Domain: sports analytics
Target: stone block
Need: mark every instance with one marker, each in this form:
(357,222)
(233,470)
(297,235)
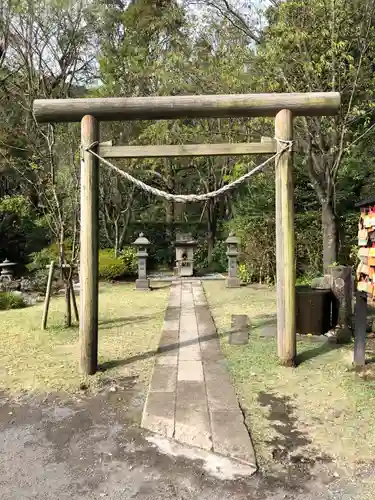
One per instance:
(168,360)
(239,334)
(164,378)
(233,283)
(210,349)
(159,412)
(190,352)
(192,427)
(142,284)
(236,443)
(219,388)
(191,394)
(190,371)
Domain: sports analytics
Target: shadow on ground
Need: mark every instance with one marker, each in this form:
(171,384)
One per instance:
(126,320)
(290,446)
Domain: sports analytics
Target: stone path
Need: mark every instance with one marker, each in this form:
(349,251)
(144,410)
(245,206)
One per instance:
(191,398)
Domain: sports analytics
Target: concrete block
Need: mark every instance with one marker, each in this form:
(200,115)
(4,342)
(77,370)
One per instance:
(192,427)
(159,412)
(164,378)
(191,371)
(236,443)
(239,334)
(191,394)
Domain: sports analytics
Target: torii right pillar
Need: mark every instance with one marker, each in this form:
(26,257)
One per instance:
(285,260)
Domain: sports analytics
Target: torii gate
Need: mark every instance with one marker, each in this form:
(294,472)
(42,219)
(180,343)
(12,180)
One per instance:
(91,111)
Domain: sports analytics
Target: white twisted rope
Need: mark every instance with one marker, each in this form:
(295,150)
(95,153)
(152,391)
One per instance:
(183,198)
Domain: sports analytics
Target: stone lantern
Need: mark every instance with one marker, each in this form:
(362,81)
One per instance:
(6,270)
(232,252)
(142,244)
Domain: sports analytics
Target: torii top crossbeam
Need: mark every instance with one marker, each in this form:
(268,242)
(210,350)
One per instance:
(199,106)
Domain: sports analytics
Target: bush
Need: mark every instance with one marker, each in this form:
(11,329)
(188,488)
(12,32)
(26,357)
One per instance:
(244,273)
(22,230)
(41,259)
(219,257)
(11,300)
(130,260)
(219,261)
(112,267)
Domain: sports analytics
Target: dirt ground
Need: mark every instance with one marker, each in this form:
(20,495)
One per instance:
(90,447)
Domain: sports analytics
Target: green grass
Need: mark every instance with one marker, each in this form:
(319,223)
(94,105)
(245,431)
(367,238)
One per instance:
(129,326)
(334,408)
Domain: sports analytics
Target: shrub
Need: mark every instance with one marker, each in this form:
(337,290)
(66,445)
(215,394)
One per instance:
(41,259)
(130,260)
(11,300)
(219,257)
(219,262)
(112,267)
(244,273)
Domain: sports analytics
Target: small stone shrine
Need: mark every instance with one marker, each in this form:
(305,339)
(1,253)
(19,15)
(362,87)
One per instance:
(142,244)
(185,254)
(233,280)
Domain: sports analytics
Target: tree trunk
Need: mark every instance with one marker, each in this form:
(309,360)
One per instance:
(329,229)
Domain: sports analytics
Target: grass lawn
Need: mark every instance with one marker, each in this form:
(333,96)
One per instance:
(321,408)
(130,324)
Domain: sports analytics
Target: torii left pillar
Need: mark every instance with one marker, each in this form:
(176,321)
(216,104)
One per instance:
(89,238)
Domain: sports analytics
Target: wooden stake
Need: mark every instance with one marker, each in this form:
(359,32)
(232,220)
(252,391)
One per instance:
(48,295)
(88,328)
(285,266)
(360,330)
(68,305)
(74,301)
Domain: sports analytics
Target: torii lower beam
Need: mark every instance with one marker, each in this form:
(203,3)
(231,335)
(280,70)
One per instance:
(284,107)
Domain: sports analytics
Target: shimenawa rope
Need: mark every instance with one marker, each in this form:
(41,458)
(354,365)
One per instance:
(183,198)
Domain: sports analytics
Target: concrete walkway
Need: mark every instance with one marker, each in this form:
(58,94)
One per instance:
(191,398)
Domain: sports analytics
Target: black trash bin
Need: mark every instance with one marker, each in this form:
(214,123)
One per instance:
(313,310)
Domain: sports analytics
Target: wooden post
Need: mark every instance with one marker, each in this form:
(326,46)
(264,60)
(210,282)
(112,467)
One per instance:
(74,301)
(360,329)
(88,328)
(48,295)
(285,262)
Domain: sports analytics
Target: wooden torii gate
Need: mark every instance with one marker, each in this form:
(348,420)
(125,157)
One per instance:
(91,111)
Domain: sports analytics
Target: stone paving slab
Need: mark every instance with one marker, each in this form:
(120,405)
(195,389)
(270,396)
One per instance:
(159,413)
(191,397)
(234,443)
(191,371)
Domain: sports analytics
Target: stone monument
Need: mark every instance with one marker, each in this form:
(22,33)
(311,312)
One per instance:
(142,244)
(232,252)
(185,254)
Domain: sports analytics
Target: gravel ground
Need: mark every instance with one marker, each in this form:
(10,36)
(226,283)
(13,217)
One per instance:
(90,447)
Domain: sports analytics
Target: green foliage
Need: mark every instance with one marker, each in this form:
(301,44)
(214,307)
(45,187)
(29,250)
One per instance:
(129,258)
(112,267)
(11,300)
(219,260)
(39,260)
(244,274)
(219,257)
(20,230)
